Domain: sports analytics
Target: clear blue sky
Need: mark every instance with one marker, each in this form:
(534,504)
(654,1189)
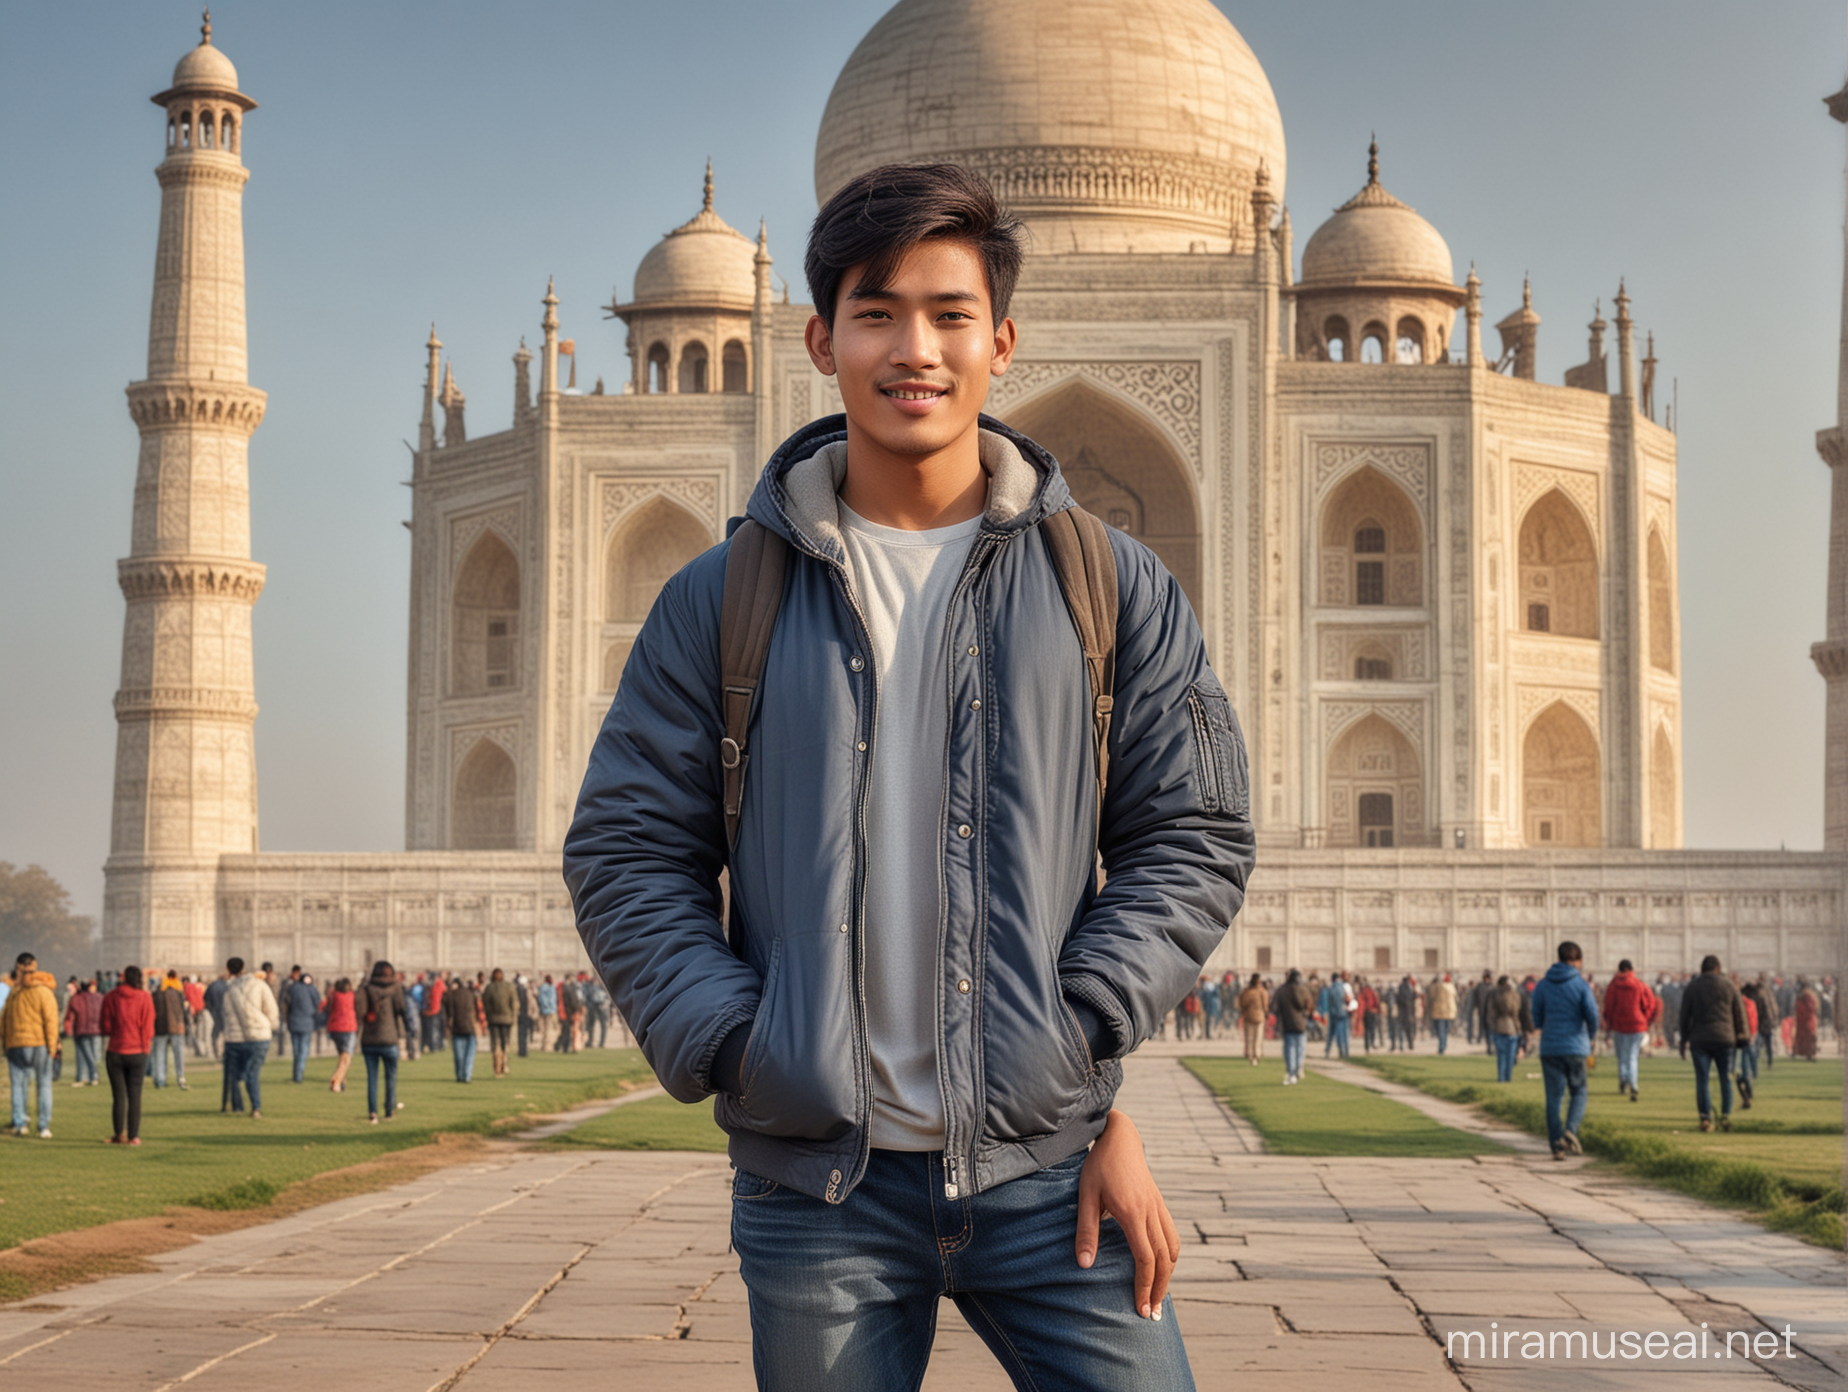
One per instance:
(420,161)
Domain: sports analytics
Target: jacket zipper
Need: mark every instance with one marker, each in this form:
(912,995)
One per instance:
(952,1158)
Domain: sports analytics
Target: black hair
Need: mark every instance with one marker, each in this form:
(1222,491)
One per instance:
(235,965)
(1569,951)
(382,974)
(345,983)
(1709,963)
(1625,965)
(876,217)
(131,976)
(25,959)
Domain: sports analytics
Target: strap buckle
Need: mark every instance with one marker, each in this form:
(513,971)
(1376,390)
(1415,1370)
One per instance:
(731,755)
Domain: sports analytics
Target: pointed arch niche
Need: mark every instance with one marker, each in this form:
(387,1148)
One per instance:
(652,543)
(1375,787)
(485,646)
(1661,606)
(1561,783)
(1559,571)
(483,816)
(1372,543)
(1664,795)
(1122,468)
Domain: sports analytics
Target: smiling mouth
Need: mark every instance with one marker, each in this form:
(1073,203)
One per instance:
(913,393)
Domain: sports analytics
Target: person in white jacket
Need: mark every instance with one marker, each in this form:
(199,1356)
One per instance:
(251,1021)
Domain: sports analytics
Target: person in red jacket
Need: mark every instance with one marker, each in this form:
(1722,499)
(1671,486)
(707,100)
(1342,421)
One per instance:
(1629,1008)
(83,1023)
(128,1020)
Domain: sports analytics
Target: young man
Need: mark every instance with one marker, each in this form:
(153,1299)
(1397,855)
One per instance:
(1566,1014)
(1712,1023)
(914,1016)
(29,1032)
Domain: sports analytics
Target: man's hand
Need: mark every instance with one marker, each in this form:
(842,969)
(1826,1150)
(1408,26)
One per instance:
(1116,1183)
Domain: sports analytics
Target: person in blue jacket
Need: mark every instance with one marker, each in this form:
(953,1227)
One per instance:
(913,1017)
(1566,1014)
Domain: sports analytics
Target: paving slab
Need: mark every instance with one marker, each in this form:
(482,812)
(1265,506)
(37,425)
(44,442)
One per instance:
(616,1268)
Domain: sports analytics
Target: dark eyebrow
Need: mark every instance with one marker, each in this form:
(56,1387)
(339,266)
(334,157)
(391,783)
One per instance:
(880,292)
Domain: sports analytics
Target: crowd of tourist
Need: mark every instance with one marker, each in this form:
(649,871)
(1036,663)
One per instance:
(130,1027)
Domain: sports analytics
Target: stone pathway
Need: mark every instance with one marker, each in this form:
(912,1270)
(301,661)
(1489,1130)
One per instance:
(613,1269)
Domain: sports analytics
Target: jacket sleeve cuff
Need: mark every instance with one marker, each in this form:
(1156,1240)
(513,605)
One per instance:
(727,1071)
(708,1074)
(1101,1016)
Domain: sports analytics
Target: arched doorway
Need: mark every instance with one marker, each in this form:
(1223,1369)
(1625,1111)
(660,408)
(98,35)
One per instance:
(1375,788)
(1561,788)
(1372,543)
(483,817)
(1123,469)
(485,652)
(644,554)
(1664,801)
(1559,570)
(1661,606)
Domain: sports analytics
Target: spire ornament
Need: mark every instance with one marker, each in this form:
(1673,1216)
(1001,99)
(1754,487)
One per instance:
(706,206)
(205,28)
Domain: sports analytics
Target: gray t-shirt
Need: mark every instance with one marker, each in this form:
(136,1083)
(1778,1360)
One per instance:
(904,581)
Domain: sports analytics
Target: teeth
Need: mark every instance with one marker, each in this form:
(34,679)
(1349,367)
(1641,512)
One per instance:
(913,395)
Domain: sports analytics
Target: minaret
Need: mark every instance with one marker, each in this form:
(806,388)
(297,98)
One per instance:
(185,775)
(1831,655)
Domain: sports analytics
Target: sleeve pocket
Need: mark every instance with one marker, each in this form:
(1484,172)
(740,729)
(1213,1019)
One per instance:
(1219,751)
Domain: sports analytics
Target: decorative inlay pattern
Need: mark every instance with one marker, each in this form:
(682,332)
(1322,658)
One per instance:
(1405,716)
(701,495)
(1531,480)
(1170,391)
(1531,700)
(234,407)
(144,703)
(507,736)
(505,521)
(1409,465)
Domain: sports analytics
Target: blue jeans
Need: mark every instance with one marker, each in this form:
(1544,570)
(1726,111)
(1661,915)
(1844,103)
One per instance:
(1293,1053)
(377,1056)
(1337,1036)
(1764,1048)
(1747,1061)
(299,1042)
(235,1062)
(88,1052)
(249,1072)
(1442,1029)
(25,1065)
(1704,1058)
(1565,1073)
(844,1296)
(1506,1047)
(463,1046)
(1629,1048)
(165,1044)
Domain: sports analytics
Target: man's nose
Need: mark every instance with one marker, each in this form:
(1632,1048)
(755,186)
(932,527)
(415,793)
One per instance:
(917,345)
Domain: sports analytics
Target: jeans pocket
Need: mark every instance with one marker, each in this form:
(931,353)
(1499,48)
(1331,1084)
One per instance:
(746,1185)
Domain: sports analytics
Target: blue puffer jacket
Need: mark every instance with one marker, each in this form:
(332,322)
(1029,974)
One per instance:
(1023,931)
(1565,1012)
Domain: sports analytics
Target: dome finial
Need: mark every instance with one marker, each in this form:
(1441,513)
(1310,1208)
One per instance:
(205,29)
(707,205)
(1373,159)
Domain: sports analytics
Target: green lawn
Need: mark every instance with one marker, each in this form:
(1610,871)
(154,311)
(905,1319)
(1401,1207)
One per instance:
(1319,1116)
(1783,1157)
(191,1154)
(660,1123)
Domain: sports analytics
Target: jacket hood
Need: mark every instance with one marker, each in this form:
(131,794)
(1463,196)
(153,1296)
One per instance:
(1563,971)
(797,493)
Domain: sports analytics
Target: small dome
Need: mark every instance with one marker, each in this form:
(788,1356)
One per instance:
(1374,238)
(205,66)
(704,262)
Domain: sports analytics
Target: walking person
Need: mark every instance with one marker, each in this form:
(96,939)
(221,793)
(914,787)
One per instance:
(301,1008)
(172,1020)
(1336,1005)
(341,1021)
(128,1021)
(528,1019)
(1712,1028)
(385,1023)
(1630,1008)
(1745,1058)
(1293,1003)
(29,1033)
(251,1022)
(1253,1006)
(548,1014)
(83,1022)
(500,1006)
(1406,997)
(1770,1018)
(1509,1023)
(462,1017)
(920,543)
(1443,1011)
(199,1022)
(596,1013)
(1369,1015)
(431,1010)
(1567,1016)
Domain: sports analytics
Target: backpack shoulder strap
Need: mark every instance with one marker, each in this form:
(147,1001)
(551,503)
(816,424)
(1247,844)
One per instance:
(1087,574)
(754,566)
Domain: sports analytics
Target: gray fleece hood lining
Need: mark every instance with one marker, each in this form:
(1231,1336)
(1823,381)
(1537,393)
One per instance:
(811,488)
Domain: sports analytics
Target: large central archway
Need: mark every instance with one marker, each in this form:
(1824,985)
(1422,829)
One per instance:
(1120,467)
(1562,794)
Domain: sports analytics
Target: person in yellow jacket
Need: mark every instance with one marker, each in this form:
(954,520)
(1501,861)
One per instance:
(1441,1007)
(29,1033)
(1253,1006)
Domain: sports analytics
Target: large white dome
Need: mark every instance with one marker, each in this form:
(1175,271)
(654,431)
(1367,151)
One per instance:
(1108,124)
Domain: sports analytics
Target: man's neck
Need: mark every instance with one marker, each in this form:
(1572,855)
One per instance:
(914,492)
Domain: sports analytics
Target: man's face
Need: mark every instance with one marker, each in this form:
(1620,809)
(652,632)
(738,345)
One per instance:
(913,360)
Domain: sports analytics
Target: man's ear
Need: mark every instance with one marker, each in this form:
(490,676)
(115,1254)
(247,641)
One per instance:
(1007,338)
(818,338)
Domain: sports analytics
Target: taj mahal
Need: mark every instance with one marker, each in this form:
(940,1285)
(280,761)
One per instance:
(1441,593)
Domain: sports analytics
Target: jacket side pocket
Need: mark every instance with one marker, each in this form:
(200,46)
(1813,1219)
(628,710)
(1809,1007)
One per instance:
(1219,751)
(754,1047)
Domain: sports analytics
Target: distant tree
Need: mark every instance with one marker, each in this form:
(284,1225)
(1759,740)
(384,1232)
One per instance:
(36,917)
